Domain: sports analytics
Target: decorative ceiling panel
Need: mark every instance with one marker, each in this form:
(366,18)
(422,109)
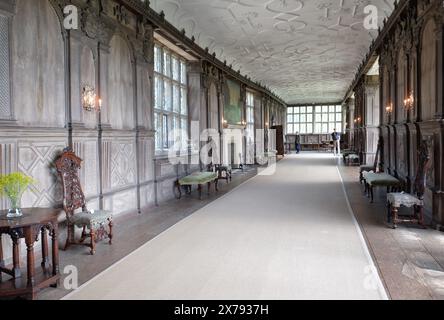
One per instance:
(306,51)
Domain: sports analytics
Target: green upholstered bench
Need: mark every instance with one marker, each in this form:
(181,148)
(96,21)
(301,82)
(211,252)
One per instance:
(199,179)
(380,179)
(351,158)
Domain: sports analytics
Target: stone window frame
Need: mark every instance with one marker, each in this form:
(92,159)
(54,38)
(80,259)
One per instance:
(314,119)
(168,110)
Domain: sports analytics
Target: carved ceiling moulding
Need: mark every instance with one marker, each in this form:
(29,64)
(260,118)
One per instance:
(158,21)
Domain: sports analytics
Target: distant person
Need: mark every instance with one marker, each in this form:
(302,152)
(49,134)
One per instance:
(336,143)
(297,141)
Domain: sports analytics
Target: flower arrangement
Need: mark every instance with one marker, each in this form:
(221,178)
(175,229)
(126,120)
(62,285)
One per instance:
(13,186)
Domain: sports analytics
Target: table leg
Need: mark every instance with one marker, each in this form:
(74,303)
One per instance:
(2,262)
(29,239)
(45,255)
(199,188)
(55,249)
(15,237)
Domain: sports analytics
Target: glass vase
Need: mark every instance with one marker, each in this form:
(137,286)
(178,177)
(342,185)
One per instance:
(15,210)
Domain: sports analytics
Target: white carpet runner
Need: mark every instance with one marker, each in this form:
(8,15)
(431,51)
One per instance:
(290,235)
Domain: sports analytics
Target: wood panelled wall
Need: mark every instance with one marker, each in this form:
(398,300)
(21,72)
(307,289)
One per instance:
(411,62)
(43,69)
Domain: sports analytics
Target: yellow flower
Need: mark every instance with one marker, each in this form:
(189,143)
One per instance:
(14,184)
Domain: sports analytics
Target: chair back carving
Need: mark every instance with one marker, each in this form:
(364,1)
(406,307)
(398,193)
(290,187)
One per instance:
(421,171)
(68,165)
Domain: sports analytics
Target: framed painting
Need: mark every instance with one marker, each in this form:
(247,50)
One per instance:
(232,108)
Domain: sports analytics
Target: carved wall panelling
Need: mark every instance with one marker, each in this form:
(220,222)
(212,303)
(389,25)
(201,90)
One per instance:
(121,84)
(401,151)
(393,152)
(88,76)
(428,71)
(45,98)
(5,85)
(8,164)
(36,159)
(86,149)
(401,86)
(385,157)
(412,145)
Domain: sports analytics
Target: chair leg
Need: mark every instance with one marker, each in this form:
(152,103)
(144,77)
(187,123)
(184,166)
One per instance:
(83,234)
(110,235)
(69,236)
(93,240)
(421,216)
(389,212)
(179,191)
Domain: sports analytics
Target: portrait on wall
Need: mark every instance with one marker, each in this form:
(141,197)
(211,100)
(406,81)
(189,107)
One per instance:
(232,108)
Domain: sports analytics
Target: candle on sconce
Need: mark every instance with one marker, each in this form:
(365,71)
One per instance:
(100,103)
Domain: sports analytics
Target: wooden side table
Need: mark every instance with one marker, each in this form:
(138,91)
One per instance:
(33,223)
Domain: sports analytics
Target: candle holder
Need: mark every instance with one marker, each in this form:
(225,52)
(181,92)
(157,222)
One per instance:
(90,100)
(408,102)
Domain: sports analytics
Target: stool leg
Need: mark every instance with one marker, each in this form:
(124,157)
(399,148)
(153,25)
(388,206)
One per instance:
(389,212)
(199,188)
(395,217)
(209,187)
(110,234)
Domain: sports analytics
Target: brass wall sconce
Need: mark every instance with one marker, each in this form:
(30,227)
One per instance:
(408,102)
(89,99)
(389,108)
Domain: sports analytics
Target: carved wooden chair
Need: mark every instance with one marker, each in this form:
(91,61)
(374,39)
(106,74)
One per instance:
(92,222)
(373,166)
(415,201)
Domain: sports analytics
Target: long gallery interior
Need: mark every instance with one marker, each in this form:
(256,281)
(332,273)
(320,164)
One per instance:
(221,150)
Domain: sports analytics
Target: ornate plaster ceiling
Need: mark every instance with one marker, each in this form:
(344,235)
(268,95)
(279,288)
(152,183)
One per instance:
(306,51)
